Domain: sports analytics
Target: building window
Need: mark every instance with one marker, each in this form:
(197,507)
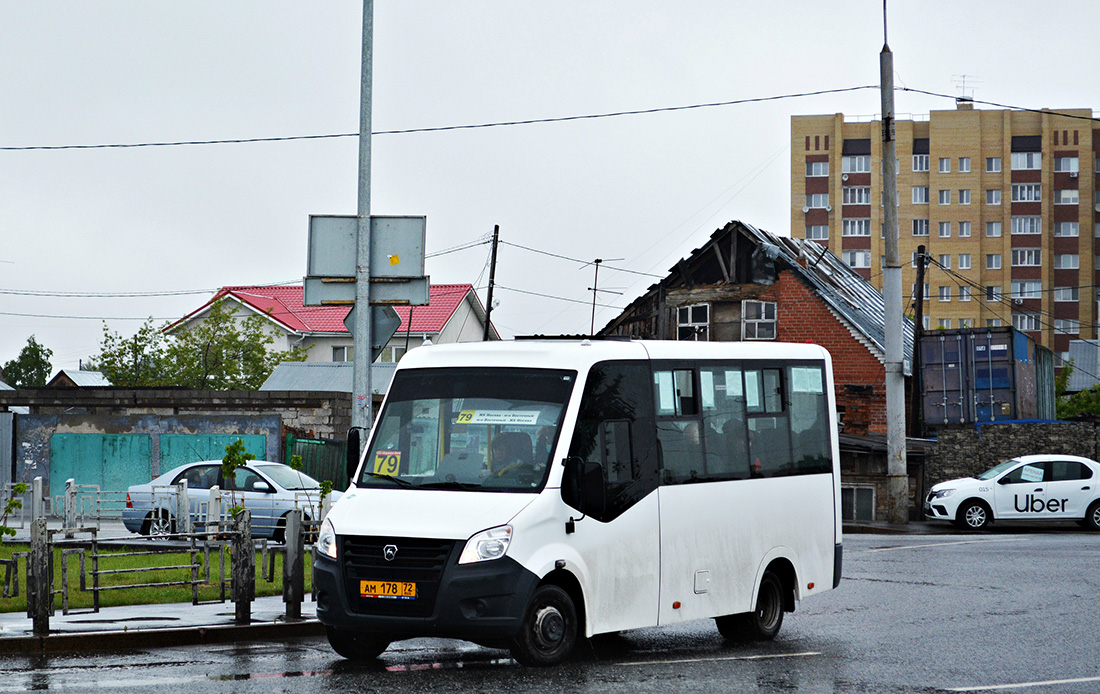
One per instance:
(920,227)
(857,259)
(920,195)
(993,294)
(964,295)
(1027,192)
(945,230)
(856,227)
(1027,289)
(992,229)
(964,261)
(993,196)
(944,324)
(1065,261)
(945,164)
(920,162)
(925,323)
(1065,197)
(992,322)
(925,291)
(964,230)
(945,261)
(343,353)
(857,195)
(993,261)
(944,293)
(817,200)
(856,163)
(965,322)
(945,197)
(1067,326)
(817,169)
(817,232)
(1066,229)
(758,320)
(693,323)
(1027,224)
(1066,293)
(857,503)
(1026,160)
(1026,257)
(992,164)
(1067,164)
(1026,322)
(964,164)
(964,196)
(392,355)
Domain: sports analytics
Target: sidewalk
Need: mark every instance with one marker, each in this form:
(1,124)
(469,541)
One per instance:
(152,626)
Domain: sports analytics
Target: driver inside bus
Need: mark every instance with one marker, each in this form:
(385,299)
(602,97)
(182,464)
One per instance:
(512,452)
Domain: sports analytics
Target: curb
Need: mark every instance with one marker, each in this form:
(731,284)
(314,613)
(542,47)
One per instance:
(157,638)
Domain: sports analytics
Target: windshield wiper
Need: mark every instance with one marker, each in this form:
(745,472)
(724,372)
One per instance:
(451,484)
(396,480)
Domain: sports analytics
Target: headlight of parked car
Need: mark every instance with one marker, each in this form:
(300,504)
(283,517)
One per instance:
(487,545)
(942,493)
(326,540)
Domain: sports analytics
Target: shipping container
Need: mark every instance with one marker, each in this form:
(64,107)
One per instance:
(976,375)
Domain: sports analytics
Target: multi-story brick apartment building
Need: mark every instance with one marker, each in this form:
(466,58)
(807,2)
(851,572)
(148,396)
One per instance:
(1005,203)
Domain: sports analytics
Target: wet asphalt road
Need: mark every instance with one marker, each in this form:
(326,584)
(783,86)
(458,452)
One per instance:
(1009,611)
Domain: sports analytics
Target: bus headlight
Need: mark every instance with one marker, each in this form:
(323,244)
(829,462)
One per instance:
(326,540)
(487,545)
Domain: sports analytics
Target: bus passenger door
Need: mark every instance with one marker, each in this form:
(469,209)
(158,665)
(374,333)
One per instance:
(620,543)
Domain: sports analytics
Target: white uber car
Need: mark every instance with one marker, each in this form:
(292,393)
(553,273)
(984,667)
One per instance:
(1030,487)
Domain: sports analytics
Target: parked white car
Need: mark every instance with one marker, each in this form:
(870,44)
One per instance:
(1030,487)
(268,490)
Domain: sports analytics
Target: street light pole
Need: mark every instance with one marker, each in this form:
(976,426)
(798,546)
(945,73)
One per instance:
(361,397)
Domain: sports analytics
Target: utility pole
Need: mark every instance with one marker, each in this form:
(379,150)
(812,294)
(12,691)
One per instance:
(897,478)
(918,326)
(492,282)
(595,284)
(361,399)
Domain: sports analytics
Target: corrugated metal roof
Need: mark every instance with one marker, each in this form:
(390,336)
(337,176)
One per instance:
(83,379)
(5,386)
(332,377)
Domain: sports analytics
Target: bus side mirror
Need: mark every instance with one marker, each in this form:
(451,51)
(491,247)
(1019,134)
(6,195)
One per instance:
(582,486)
(352,463)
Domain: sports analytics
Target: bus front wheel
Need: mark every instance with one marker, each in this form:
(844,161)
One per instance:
(762,624)
(549,629)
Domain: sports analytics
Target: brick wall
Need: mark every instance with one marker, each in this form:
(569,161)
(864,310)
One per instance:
(857,374)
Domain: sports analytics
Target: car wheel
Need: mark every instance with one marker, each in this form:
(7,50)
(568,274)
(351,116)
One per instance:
(1092,516)
(763,623)
(549,629)
(159,524)
(973,515)
(280,531)
(355,645)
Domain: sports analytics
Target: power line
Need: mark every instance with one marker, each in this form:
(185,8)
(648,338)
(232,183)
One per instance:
(444,128)
(577,260)
(999,105)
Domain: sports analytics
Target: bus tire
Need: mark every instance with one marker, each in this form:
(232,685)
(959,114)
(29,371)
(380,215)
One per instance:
(355,645)
(973,515)
(763,623)
(549,629)
(1092,516)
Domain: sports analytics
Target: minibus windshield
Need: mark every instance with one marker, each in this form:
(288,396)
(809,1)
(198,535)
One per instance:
(468,429)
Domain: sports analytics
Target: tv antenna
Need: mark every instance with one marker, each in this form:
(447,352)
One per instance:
(965,83)
(594,288)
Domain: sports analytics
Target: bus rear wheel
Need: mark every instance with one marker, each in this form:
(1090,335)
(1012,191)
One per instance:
(354,645)
(763,623)
(549,629)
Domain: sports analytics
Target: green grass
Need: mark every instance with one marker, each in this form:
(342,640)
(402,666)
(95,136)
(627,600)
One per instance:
(79,599)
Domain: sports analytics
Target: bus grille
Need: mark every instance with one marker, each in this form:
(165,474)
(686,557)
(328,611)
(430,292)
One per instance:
(415,559)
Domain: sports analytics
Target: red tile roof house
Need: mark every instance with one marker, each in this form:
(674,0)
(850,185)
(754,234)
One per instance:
(454,314)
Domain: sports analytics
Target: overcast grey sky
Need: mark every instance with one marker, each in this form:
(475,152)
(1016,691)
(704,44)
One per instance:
(645,188)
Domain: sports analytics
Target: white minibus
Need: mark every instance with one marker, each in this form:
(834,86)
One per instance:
(527,494)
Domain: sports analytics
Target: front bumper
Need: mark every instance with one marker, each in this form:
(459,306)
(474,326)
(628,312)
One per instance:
(483,602)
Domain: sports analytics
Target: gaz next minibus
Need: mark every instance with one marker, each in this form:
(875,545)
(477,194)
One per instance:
(530,493)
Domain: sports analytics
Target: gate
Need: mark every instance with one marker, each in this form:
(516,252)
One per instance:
(180,449)
(110,461)
(322,459)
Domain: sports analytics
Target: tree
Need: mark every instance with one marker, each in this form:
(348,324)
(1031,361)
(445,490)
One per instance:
(133,361)
(31,369)
(221,353)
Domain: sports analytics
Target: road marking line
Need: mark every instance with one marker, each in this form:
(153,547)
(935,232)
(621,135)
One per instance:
(944,544)
(732,657)
(1022,685)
